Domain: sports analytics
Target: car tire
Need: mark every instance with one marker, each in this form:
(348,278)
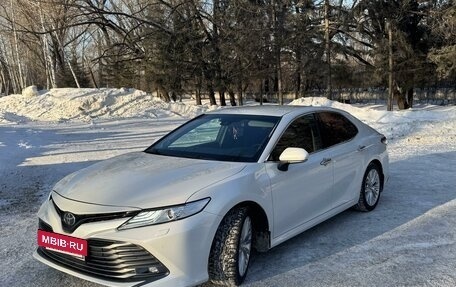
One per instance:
(231,249)
(371,188)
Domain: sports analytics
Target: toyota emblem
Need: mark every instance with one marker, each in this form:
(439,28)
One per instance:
(69,218)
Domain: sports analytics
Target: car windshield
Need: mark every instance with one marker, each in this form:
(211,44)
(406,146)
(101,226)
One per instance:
(223,137)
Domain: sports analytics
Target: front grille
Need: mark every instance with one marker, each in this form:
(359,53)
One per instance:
(112,260)
(86,218)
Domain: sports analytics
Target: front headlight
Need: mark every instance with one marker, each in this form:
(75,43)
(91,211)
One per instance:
(166,214)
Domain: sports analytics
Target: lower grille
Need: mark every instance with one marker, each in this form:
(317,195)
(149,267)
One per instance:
(112,260)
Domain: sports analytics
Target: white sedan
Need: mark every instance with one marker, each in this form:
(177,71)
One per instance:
(192,206)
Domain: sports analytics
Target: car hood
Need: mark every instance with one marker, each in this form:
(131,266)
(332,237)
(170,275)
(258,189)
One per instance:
(143,180)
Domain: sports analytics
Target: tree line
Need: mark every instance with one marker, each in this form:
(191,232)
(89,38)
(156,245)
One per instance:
(229,47)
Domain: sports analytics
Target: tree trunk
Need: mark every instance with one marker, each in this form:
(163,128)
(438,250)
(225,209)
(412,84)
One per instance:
(328,52)
(298,84)
(21,81)
(410,97)
(222,97)
(401,103)
(279,79)
(92,75)
(239,94)
(279,21)
(2,82)
(401,95)
(264,89)
(232,97)
(163,93)
(73,73)
(65,59)
(5,73)
(198,97)
(199,84)
(51,80)
(390,68)
(212,100)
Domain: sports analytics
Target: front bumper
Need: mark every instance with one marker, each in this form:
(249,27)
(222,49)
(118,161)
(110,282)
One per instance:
(181,248)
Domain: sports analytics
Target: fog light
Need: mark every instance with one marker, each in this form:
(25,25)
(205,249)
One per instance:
(141,270)
(146,270)
(153,269)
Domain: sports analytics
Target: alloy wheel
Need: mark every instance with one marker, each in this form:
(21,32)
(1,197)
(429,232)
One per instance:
(245,246)
(372,187)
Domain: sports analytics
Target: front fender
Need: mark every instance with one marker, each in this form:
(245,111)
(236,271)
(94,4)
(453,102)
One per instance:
(251,184)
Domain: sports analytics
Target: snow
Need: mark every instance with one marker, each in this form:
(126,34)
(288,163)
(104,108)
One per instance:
(63,105)
(409,240)
(31,91)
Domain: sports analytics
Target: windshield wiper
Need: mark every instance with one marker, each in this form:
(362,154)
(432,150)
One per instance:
(154,151)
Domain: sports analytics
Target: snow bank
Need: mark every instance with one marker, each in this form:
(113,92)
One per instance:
(69,104)
(31,91)
(87,105)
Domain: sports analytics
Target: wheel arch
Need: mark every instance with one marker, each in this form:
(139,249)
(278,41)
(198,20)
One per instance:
(261,226)
(224,257)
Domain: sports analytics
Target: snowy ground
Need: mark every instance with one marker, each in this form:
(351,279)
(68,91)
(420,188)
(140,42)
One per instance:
(409,240)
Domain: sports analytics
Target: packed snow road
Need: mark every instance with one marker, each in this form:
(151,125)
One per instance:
(409,240)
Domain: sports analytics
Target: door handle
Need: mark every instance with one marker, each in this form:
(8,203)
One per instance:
(325,161)
(361,147)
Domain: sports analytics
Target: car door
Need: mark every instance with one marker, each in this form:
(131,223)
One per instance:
(338,135)
(303,192)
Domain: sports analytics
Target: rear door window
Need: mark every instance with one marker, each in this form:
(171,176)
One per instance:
(335,128)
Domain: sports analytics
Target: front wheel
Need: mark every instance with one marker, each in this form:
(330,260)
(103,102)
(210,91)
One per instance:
(370,189)
(231,249)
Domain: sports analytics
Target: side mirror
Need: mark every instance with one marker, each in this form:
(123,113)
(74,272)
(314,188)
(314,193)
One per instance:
(292,155)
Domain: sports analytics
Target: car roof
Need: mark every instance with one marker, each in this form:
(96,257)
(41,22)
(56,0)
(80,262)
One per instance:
(271,110)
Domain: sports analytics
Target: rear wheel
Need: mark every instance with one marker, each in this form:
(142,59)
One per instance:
(230,253)
(370,189)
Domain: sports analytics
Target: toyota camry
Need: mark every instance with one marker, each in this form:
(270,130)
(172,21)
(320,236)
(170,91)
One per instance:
(194,205)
